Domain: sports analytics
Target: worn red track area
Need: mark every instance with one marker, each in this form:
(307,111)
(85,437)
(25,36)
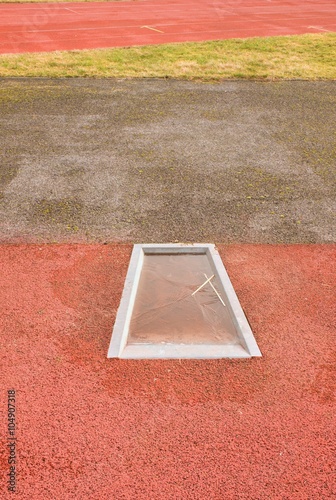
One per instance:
(89,427)
(67,26)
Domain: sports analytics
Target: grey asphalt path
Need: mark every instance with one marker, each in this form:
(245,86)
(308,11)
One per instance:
(165,160)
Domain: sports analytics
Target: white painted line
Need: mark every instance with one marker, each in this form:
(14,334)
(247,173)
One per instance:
(150,28)
(70,10)
(319,28)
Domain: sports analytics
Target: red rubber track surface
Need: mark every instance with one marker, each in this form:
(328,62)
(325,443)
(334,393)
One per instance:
(67,26)
(98,428)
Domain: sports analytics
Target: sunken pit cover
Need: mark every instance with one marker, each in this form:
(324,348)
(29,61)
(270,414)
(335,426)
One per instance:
(178,302)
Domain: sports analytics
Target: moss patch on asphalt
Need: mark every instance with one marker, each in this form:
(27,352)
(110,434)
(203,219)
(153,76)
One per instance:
(7,175)
(66,212)
(15,93)
(310,57)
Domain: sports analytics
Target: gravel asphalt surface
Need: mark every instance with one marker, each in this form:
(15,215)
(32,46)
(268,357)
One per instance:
(163,160)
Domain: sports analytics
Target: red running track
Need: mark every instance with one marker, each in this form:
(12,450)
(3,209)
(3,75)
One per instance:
(89,427)
(67,26)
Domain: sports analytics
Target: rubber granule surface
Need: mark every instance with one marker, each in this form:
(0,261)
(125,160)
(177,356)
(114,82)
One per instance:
(47,27)
(92,427)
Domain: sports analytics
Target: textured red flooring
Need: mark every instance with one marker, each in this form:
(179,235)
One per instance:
(89,427)
(66,26)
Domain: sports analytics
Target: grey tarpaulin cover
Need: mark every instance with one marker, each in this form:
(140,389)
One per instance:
(167,309)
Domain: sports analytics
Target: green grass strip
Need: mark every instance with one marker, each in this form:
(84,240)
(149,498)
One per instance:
(310,57)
